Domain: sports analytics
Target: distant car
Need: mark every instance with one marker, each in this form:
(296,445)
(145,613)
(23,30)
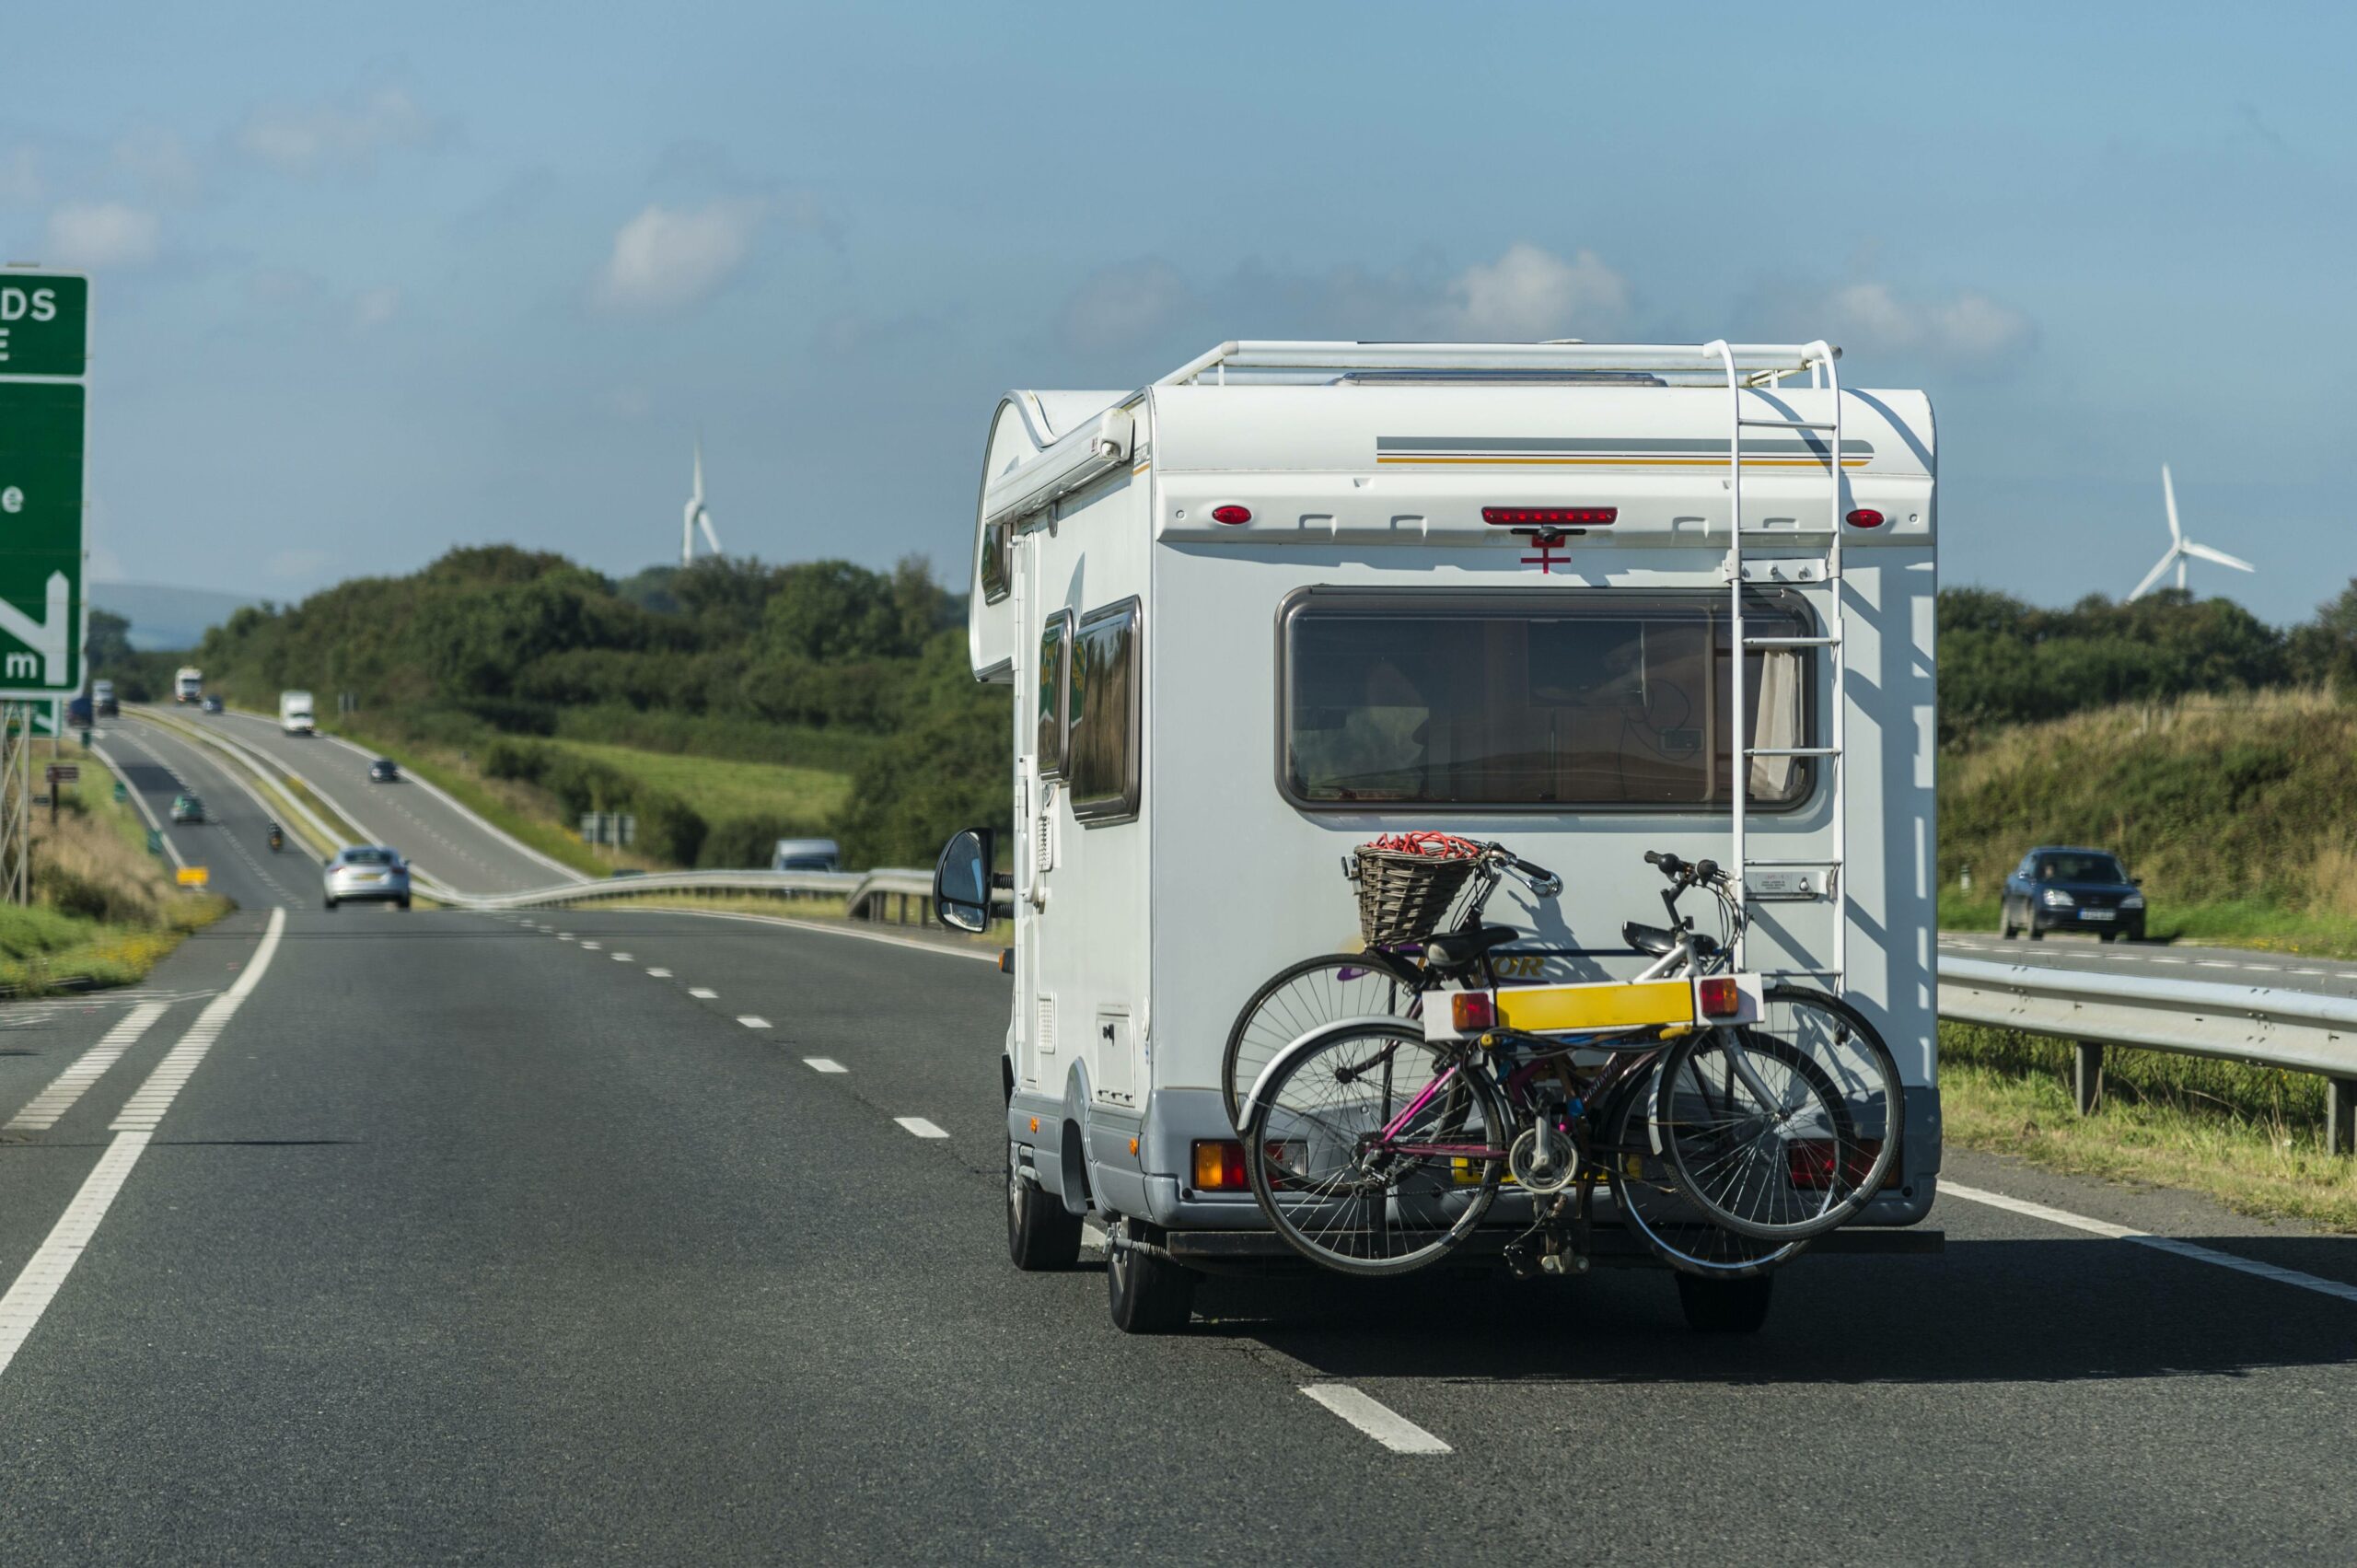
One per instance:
(187,808)
(805,854)
(382,771)
(367,873)
(77,713)
(2057,888)
(213,705)
(625,871)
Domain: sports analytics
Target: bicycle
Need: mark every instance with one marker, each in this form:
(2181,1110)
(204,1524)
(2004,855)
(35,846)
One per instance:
(1728,1137)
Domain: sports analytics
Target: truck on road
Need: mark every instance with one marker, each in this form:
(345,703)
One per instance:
(187,686)
(294,711)
(1589,599)
(103,699)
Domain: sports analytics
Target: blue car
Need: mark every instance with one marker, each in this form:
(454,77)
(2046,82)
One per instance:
(2057,888)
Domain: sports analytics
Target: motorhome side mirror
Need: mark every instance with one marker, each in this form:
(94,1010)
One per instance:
(961,881)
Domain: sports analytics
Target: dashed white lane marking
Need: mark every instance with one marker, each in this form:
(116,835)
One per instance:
(564,936)
(2146,1238)
(2312,973)
(2217,964)
(2160,960)
(703,994)
(660,974)
(592,947)
(824,1065)
(621,957)
(58,1098)
(2265,968)
(38,1285)
(1378,1420)
(752,1020)
(917,1126)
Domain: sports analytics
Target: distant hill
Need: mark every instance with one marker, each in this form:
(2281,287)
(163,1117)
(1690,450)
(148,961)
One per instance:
(162,616)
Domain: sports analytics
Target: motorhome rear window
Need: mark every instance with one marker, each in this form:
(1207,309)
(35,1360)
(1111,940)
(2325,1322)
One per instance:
(1101,741)
(1516,699)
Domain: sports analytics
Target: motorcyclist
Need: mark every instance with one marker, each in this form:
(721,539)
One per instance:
(277,839)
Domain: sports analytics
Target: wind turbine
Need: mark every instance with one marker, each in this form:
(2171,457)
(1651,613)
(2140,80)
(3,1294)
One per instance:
(2180,548)
(694,517)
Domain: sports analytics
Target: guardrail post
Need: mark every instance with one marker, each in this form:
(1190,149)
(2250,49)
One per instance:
(2341,1116)
(2086,1075)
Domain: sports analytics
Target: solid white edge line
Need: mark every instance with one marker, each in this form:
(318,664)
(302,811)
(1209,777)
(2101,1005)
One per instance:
(2146,1238)
(45,1273)
(917,1126)
(45,1109)
(1379,1420)
(922,946)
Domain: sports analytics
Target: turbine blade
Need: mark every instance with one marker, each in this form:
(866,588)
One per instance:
(2204,552)
(703,521)
(2155,574)
(2168,497)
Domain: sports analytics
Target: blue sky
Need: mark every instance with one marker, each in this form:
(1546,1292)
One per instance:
(374,281)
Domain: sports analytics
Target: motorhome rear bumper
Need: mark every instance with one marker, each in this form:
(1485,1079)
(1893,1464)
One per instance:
(1609,1247)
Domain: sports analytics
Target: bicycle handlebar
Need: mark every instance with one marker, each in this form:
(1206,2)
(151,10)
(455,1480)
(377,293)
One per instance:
(1706,872)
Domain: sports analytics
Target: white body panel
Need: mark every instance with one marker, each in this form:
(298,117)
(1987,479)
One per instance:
(1137,940)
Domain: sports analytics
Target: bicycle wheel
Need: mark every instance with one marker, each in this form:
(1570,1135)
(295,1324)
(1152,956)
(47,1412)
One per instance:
(1375,1152)
(1651,1201)
(1304,996)
(1781,1130)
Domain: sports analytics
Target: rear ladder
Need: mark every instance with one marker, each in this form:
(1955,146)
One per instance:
(1822,362)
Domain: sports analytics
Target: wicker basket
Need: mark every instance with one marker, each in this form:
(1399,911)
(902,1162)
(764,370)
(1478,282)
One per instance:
(1405,897)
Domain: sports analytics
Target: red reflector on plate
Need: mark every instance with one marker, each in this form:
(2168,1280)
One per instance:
(1219,1165)
(1231,514)
(1865,518)
(1549,517)
(1473,1010)
(1719,997)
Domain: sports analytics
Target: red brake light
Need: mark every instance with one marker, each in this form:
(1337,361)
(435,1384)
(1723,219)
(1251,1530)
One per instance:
(1231,514)
(1719,997)
(1865,517)
(1549,517)
(1219,1165)
(1470,1010)
(1809,1163)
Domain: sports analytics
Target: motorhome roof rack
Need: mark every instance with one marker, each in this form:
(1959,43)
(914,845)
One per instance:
(1693,364)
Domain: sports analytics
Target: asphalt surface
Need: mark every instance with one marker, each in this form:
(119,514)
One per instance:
(432,831)
(474,1239)
(2155,960)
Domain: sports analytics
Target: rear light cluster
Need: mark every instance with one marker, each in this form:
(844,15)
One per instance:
(1219,1165)
(1810,1162)
(1865,517)
(1231,514)
(1549,517)
(1719,996)
(1470,1010)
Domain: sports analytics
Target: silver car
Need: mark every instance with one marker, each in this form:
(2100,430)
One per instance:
(368,872)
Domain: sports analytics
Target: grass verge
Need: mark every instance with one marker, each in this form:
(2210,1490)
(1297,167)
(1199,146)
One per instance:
(2251,1138)
(720,788)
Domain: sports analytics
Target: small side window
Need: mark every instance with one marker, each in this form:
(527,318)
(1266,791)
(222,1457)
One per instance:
(994,567)
(1102,742)
(1054,680)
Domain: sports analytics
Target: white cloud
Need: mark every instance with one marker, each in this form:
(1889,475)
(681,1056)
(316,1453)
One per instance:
(160,161)
(315,138)
(668,259)
(20,176)
(100,234)
(1967,328)
(375,307)
(1531,293)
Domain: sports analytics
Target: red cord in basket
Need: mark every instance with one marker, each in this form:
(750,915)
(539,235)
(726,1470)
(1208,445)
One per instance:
(1437,846)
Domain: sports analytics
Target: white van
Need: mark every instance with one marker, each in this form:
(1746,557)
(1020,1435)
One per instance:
(187,686)
(295,712)
(1294,595)
(807,854)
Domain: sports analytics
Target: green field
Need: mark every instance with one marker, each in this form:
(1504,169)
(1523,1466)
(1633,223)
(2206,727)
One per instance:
(719,789)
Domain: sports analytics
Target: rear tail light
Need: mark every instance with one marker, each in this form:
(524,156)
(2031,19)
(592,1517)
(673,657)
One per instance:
(1810,1162)
(1219,1165)
(1470,1010)
(1549,517)
(1719,996)
(1865,517)
(1231,514)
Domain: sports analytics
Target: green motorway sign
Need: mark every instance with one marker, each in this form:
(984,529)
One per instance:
(44,324)
(44,332)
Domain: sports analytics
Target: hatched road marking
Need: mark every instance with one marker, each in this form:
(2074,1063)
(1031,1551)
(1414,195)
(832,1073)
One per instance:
(58,1098)
(917,1126)
(38,1285)
(2146,1238)
(1379,1420)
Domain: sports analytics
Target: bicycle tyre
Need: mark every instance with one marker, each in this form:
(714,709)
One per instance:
(1323,1103)
(1647,1195)
(1849,1175)
(1302,996)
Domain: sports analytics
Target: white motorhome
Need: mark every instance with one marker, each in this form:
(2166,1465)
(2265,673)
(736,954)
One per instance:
(1294,596)
(295,712)
(187,686)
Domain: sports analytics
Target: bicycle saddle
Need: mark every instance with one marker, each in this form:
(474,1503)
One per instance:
(1461,947)
(1658,940)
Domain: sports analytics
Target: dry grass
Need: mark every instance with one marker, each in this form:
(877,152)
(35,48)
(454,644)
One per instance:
(2252,1138)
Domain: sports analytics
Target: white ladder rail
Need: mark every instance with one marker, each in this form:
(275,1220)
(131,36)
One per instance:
(1823,373)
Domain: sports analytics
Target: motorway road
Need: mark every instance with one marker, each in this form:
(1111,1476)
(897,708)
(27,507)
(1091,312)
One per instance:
(518,1239)
(448,842)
